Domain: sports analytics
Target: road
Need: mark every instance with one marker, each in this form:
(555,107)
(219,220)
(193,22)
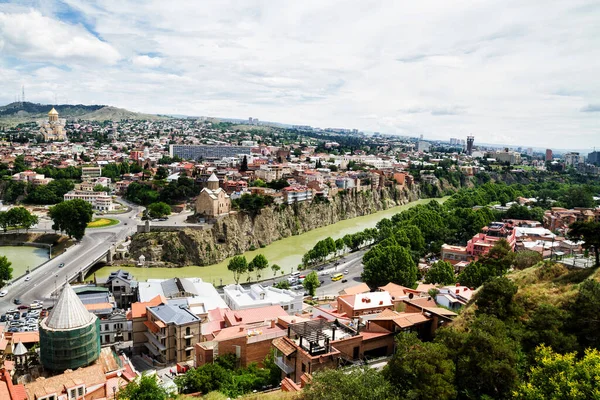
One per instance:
(351,262)
(47,278)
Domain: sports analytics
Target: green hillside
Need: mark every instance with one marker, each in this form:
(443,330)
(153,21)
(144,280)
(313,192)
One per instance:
(16,113)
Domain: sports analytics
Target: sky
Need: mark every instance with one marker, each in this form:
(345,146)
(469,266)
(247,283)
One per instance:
(508,72)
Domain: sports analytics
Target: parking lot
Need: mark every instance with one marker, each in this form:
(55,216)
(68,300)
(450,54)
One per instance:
(24,318)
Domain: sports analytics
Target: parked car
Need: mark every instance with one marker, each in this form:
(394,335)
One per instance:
(3,318)
(61,265)
(27,279)
(346,272)
(24,315)
(17,301)
(23,307)
(3,293)
(344,280)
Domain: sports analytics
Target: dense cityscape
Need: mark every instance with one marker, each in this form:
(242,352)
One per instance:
(422,221)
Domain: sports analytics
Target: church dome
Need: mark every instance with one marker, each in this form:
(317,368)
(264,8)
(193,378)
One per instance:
(53,112)
(213,178)
(69,312)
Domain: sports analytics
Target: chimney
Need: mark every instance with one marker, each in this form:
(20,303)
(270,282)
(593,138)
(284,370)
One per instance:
(272,323)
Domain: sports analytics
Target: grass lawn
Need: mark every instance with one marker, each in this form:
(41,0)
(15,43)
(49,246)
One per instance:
(102,222)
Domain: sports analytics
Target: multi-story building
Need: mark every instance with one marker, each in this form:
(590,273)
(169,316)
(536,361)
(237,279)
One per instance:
(593,158)
(198,152)
(482,242)
(239,298)
(559,219)
(31,177)
(91,172)
(100,201)
(172,333)
(573,159)
(506,156)
(296,194)
(455,254)
(123,287)
(549,155)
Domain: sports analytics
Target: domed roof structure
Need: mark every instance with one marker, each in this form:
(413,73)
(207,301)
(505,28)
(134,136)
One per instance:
(53,112)
(69,312)
(19,349)
(213,178)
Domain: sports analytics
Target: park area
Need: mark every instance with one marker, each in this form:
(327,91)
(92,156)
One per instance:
(102,222)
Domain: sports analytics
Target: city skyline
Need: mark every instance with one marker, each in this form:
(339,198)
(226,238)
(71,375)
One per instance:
(508,74)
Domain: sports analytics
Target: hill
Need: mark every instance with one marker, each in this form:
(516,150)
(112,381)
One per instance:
(17,113)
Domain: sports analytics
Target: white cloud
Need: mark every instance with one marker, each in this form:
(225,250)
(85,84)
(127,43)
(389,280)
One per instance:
(504,70)
(146,61)
(32,36)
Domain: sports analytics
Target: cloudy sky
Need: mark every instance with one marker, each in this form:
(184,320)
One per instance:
(515,72)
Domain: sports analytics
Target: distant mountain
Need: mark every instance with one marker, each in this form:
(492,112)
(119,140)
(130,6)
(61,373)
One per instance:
(16,113)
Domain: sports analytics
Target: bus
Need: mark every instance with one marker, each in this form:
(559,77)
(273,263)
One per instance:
(337,277)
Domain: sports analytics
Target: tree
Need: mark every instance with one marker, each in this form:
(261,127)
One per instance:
(101,188)
(548,325)
(589,232)
(440,272)
(496,298)
(159,209)
(72,217)
(584,314)
(239,266)
(282,285)
(5,270)
(389,264)
(311,283)
(420,370)
(275,268)
(526,258)
(147,388)
(161,173)
(258,263)
(244,164)
(352,384)
(557,377)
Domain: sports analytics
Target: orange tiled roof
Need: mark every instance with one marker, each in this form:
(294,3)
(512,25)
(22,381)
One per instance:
(98,306)
(138,309)
(284,345)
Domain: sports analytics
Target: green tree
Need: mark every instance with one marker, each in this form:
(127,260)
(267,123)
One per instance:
(71,217)
(548,325)
(589,232)
(496,298)
(282,285)
(389,264)
(147,388)
(239,266)
(161,173)
(526,258)
(311,283)
(556,376)
(100,188)
(349,384)
(258,263)
(275,268)
(441,272)
(420,370)
(244,164)
(584,314)
(5,270)
(159,210)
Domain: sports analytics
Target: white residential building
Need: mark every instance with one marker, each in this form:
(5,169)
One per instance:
(100,201)
(239,298)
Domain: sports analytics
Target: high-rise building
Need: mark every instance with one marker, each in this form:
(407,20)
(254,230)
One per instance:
(548,154)
(594,158)
(470,141)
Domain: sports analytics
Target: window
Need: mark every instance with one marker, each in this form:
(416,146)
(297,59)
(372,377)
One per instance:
(80,391)
(303,367)
(106,338)
(188,342)
(105,327)
(188,353)
(187,330)
(73,393)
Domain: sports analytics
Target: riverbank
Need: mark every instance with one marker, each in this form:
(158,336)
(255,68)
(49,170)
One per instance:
(59,243)
(286,252)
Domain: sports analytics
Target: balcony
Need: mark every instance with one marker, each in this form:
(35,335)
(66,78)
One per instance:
(287,369)
(155,342)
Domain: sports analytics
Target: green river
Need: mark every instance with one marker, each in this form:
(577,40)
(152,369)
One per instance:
(287,252)
(23,257)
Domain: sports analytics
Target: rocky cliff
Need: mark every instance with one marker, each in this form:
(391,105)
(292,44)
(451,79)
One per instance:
(241,232)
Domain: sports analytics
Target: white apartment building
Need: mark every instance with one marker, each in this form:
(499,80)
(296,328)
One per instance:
(295,194)
(100,201)
(91,172)
(239,298)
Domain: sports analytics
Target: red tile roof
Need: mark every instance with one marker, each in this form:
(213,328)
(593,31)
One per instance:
(253,315)
(138,309)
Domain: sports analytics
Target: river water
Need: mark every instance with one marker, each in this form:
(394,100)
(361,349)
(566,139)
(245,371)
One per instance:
(23,257)
(287,253)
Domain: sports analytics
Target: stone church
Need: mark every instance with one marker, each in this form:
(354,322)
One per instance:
(213,201)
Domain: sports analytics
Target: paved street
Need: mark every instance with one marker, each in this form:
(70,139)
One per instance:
(45,279)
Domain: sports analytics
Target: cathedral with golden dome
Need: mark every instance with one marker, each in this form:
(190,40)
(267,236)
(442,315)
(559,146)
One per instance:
(54,128)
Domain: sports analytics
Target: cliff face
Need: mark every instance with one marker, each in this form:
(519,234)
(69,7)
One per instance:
(241,232)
